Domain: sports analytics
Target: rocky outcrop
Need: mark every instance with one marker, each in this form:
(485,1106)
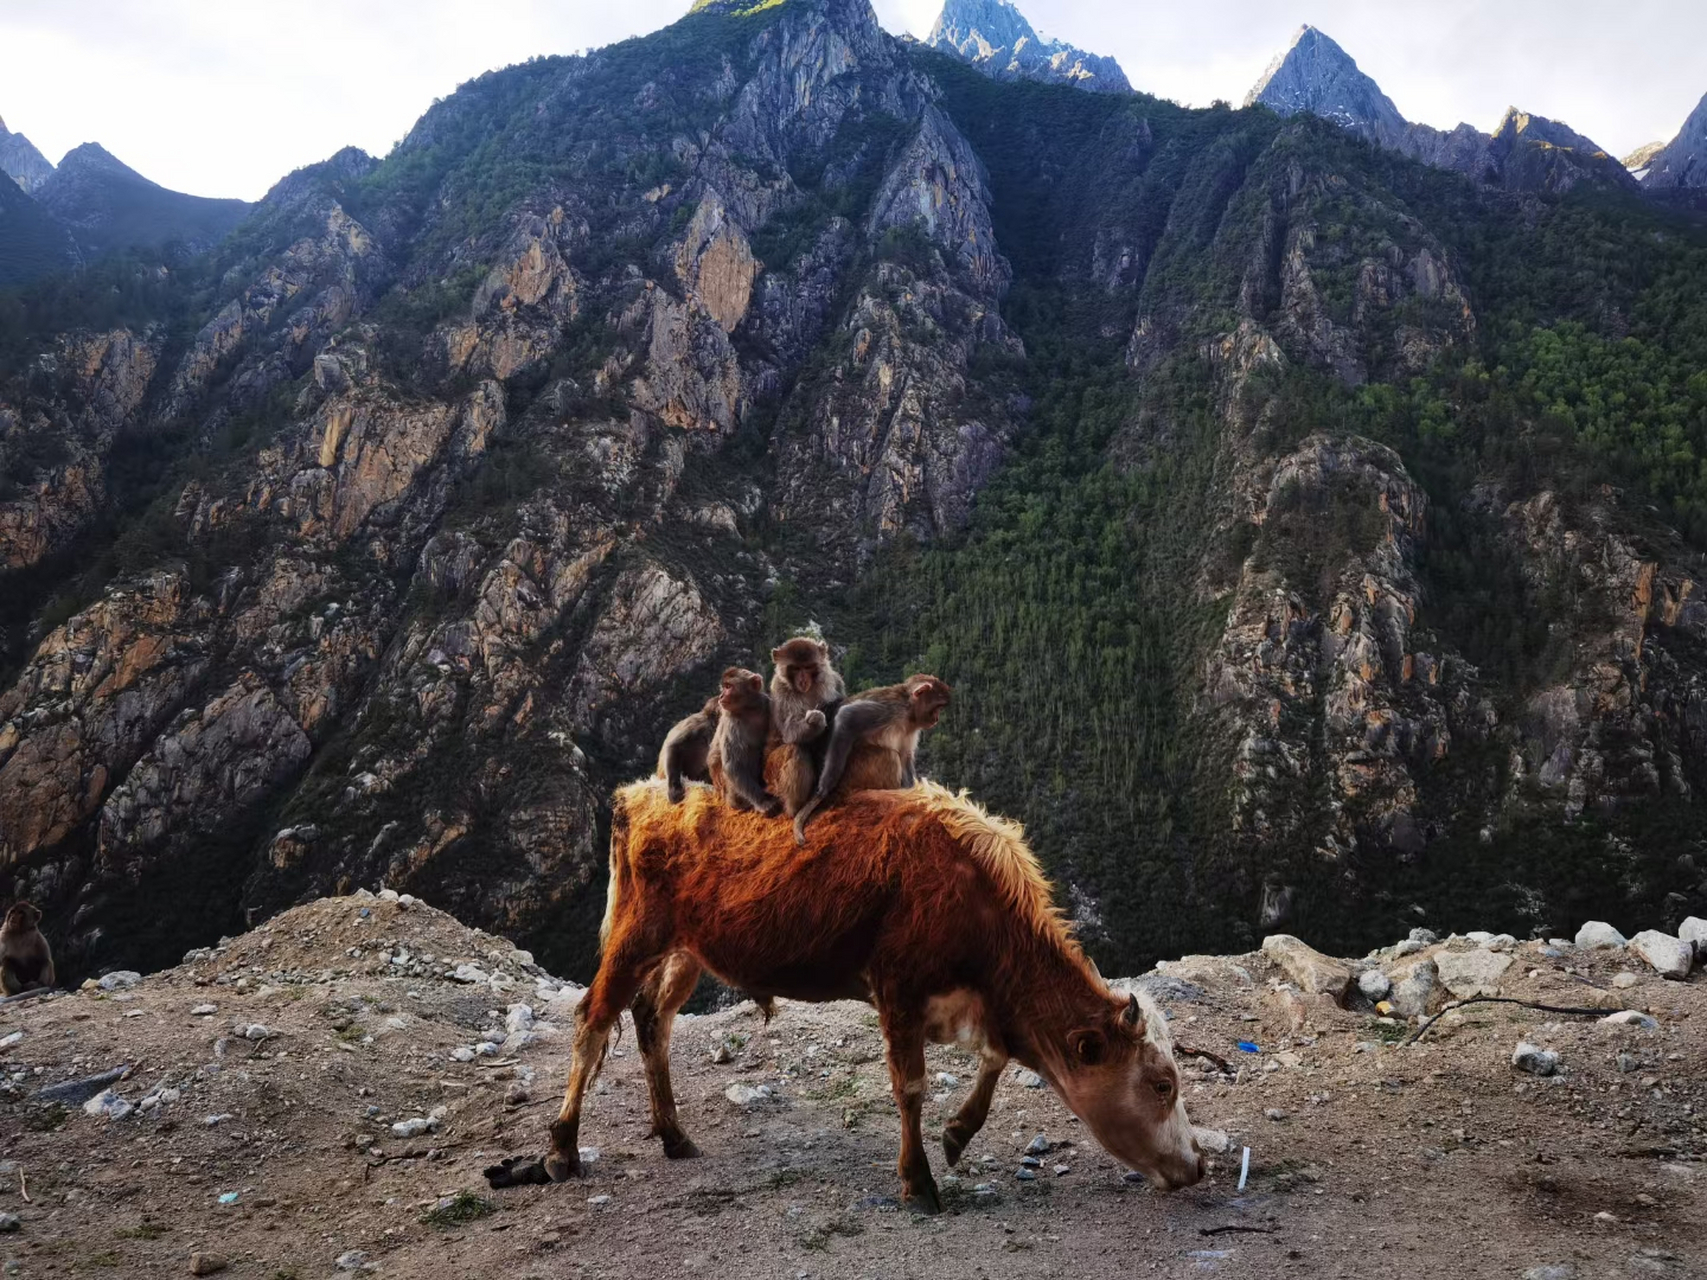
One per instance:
(994,36)
(21,162)
(1682,162)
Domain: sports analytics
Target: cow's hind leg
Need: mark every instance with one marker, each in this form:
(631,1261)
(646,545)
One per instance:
(626,965)
(976,1109)
(654,1014)
(904,1033)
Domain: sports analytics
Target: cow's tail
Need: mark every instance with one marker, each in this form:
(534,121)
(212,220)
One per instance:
(620,872)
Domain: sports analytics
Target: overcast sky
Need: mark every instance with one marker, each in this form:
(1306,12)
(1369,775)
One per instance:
(223,97)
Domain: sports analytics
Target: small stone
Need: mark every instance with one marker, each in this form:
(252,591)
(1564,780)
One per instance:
(351,1260)
(10,1222)
(415,1127)
(204,1011)
(984,1190)
(947,1080)
(1423,937)
(598,1202)
(1315,973)
(1037,1146)
(1374,984)
(463,1053)
(1027,1175)
(516,1094)
(1409,947)
(1134,1177)
(1604,1217)
(107,1104)
(589,1155)
(1624,980)
(119,979)
(487,1049)
(1214,1141)
(1668,956)
(1597,935)
(746,1095)
(1534,1059)
(206,1264)
(1061,1170)
(256,1031)
(1630,1018)
(1030,1080)
(1275,1113)
(519,1018)
(1628,1062)
(1030,1162)
(1553,1271)
(214,1122)
(469,973)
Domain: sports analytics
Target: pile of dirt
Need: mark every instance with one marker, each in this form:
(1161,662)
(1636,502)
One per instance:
(319,1096)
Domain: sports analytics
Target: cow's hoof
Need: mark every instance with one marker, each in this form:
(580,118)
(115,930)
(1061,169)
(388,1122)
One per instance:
(562,1167)
(923,1199)
(954,1139)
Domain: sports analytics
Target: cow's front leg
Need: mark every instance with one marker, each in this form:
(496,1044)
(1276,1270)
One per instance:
(976,1109)
(904,1033)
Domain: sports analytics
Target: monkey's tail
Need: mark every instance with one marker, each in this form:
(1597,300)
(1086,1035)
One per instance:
(802,818)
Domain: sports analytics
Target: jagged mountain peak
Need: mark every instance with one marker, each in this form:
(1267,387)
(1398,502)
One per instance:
(1316,75)
(93,158)
(995,37)
(20,161)
(1682,162)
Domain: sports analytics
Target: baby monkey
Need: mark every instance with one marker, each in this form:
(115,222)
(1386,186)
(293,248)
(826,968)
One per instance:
(736,760)
(26,963)
(884,725)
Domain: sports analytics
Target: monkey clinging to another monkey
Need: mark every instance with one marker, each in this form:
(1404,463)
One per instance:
(805,693)
(26,963)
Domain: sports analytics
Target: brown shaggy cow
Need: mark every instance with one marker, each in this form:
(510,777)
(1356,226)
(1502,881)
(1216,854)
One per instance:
(917,902)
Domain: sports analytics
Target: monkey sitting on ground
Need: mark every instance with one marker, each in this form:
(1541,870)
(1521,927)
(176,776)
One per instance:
(26,963)
(884,725)
(737,757)
(805,693)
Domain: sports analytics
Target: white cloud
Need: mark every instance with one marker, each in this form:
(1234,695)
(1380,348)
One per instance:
(223,97)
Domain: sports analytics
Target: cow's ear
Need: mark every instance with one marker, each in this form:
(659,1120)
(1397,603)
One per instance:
(1133,1016)
(1087,1045)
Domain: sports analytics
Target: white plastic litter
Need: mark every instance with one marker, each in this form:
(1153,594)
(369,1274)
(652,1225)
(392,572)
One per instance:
(1244,1168)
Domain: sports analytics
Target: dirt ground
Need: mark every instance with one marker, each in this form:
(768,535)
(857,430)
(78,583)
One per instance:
(1367,1158)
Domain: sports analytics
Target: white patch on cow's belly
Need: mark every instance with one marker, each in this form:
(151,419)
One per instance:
(957,1018)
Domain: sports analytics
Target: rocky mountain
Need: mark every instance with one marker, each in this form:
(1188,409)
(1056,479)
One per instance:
(1309,535)
(107,205)
(32,243)
(994,36)
(1682,162)
(21,162)
(1525,153)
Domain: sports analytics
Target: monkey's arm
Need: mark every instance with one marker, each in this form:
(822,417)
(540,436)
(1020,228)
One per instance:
(10,982)
(746,778)
(797,730)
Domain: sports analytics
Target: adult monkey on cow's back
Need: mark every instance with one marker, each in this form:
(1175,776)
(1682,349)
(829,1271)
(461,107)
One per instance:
(805,692)
(916,902)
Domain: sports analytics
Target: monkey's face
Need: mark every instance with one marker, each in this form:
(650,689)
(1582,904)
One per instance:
(802,662)
(927,696)
(743,693)
(23,916)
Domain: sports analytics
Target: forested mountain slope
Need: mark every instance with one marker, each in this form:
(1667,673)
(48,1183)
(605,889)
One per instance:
(1308,534)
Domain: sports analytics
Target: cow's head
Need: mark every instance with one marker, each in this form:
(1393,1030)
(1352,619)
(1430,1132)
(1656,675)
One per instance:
(1118,1075)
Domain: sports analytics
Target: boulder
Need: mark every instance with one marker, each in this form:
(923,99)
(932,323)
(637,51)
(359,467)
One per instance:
(1597,935)
(1694,931)
(1315,973)
(1413,990)
(1670,957)
(1472,973)
(1534,1059)
(1374,984)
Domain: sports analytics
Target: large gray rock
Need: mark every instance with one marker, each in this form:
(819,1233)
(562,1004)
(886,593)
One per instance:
(1414,988)
(1315,973)
(1534,1059)
(1597,935)
(1694,931)
(1472,973)
(1668,956)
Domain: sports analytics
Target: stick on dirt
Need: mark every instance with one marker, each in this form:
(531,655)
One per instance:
(1527,1004)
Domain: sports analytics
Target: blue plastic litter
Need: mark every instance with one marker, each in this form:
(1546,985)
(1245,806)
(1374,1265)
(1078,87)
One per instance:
(1249,1047)
(228,1197)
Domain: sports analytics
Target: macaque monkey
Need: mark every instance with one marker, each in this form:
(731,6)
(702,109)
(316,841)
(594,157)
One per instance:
(683,757)
(737,757)
(805,692)
(874,741)
(26,963)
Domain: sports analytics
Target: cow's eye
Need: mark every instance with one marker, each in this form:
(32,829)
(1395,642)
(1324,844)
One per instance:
(1164,1089)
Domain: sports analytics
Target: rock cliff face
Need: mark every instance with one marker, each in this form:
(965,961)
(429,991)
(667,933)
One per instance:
(994,36)
(21,162)
(403,527)
(1682,162)
(1526,152)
